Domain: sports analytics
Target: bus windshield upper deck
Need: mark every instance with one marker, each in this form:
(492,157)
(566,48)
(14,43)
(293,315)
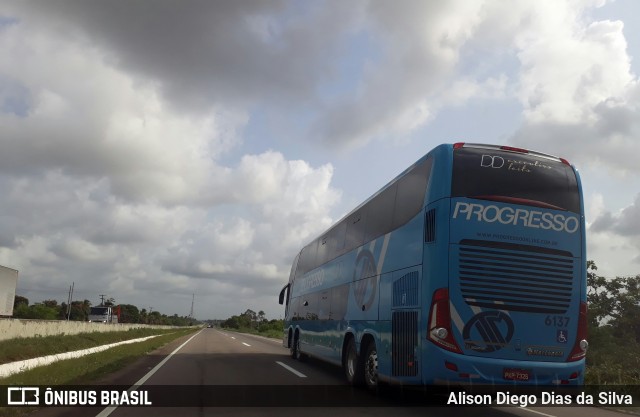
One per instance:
(514,177)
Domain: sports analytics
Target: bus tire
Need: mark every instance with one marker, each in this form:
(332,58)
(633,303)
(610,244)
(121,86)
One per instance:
(295,348)
(352,364)
(370,368)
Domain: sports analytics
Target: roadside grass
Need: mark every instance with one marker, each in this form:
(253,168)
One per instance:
(615,376)
(91,367)
(33,347)
(87,369)
(271,333)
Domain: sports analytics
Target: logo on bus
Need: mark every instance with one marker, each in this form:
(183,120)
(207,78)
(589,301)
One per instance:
(516,216)
(492,161)
(495,328)
(365,283)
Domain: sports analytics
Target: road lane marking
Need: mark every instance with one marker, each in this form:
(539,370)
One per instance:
(246,344)
(537,412)
(107,411)
(290,369)
(233,337)
(279,341)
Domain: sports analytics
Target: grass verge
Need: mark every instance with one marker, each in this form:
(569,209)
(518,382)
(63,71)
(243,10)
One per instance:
(34,347)
(87,369)
(271,333)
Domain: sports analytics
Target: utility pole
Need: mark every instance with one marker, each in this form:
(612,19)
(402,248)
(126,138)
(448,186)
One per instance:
(102,299)
(70,301)
(193,298)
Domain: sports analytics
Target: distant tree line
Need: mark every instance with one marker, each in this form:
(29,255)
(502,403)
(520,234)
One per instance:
(255,323)
(79,311)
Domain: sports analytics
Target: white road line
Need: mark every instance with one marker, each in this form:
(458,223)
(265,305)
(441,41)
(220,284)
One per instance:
(290,369)
(107,411)
(246,344)
(279,341)
(537,412)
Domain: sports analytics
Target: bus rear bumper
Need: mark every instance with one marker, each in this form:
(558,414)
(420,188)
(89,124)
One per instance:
(451,368)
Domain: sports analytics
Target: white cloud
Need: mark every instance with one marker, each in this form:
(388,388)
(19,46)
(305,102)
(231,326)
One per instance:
(565,75)
(614,238)
(113,188)
(90,119)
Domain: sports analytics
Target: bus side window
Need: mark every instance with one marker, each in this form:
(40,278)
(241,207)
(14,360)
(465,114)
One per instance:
(310,306)
(307,260)
(340,232)
(294,308)
(411,191)
(294,266)
(380,214)
(355,229)
(326,247)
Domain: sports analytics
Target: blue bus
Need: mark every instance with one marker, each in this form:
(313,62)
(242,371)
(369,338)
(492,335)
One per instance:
(468,268)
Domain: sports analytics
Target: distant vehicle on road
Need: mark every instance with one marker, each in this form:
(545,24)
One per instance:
(104,314)
(468,268)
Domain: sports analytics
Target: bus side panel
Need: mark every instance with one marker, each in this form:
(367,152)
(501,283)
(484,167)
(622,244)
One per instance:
(400,342)
(399,290)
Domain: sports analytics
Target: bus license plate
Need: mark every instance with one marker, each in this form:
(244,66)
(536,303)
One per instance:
(516,374)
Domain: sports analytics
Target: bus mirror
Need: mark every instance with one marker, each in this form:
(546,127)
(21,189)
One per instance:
(281,298)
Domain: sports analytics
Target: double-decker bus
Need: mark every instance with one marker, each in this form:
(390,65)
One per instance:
(467,268)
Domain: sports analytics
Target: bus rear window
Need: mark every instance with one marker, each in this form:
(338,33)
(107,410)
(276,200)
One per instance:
(493,174)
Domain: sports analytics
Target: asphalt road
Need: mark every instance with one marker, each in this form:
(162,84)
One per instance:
(220,373)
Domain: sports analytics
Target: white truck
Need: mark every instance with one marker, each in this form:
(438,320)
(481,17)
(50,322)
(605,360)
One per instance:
(104,314)
(8,283)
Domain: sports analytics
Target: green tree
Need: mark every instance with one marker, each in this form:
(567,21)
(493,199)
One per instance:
(80,310)
(250,316)
(614,302)
(144,316)
(601,295)
(155,317)
(129,314)
(36,311)
(614,329)
(18,300)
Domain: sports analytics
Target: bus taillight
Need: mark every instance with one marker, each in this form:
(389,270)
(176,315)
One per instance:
(580,347)
(439,325)
(513,149)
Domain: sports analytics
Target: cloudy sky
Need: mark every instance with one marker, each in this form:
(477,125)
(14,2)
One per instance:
(154,150)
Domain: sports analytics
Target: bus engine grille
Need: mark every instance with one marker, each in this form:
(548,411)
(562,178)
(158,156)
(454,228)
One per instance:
(515,277)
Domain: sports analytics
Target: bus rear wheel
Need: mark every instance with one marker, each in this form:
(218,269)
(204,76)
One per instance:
(352,364)
(371,366)
(294,350)
(293,346)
